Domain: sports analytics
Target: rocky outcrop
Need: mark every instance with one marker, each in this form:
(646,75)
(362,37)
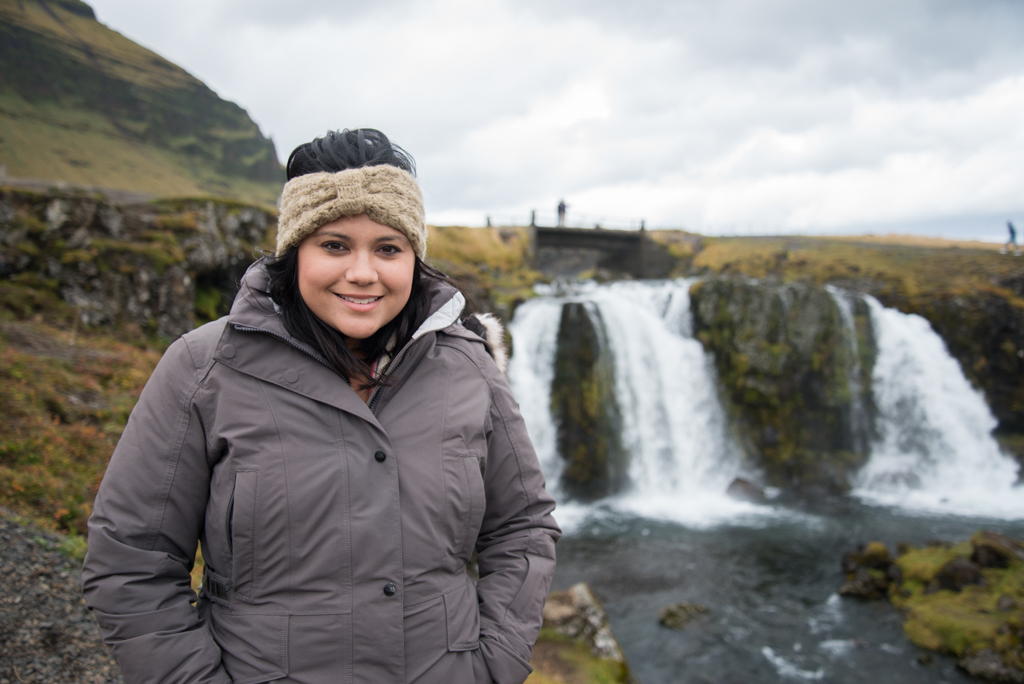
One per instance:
(584,407)
(679,615)
(795,373)
(965,600)
(156,266)
(576,640)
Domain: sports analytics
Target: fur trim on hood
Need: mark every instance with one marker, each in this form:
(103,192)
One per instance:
(492,331)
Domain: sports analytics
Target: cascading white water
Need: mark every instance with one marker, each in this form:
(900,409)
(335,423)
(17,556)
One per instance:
(935,451)
(682,457)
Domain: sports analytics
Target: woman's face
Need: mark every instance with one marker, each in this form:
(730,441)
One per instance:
(356,275)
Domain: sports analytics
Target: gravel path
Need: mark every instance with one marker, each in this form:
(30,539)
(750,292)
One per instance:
(46,632)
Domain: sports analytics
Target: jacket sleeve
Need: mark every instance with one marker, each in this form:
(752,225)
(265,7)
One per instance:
(143,533)
(516,545)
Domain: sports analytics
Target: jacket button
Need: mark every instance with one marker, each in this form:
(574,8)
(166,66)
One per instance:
(389,589)
(380,456)
(291,375)
(228,351)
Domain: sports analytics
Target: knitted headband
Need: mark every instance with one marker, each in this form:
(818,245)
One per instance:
(387,194)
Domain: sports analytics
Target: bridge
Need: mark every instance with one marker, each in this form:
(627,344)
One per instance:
(569,252)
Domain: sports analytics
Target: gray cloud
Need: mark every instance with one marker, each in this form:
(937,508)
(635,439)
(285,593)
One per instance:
(789,114)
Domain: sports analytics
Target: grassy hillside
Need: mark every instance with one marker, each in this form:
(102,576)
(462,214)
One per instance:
(82,104)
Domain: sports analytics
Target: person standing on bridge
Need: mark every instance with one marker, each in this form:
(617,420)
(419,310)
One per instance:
(561,213)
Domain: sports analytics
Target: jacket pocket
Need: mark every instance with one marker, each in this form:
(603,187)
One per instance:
(243,532)
(254,648)
(462,617)
(465,502)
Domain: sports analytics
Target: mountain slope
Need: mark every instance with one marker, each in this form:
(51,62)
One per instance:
(81,103)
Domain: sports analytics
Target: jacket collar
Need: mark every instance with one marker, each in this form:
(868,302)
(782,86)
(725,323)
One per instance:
(253,311)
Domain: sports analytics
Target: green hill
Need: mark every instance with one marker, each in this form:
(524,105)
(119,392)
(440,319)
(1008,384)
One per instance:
(82,104)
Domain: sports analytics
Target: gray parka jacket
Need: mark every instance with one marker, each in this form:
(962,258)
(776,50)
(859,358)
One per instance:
(336,533)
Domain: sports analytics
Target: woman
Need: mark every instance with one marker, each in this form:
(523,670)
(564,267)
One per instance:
(340,443)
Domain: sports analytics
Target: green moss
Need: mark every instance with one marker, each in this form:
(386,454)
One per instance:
(561,661)
(965,622)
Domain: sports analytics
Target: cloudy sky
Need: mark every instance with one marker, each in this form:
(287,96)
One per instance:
(734,116)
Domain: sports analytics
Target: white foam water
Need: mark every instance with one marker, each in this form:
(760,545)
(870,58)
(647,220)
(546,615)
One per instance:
(935,452)
(682,457)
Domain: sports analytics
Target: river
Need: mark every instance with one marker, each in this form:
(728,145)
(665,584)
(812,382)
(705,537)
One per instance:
(768,573)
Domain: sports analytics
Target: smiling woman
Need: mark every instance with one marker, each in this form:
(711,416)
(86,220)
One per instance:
(341,444)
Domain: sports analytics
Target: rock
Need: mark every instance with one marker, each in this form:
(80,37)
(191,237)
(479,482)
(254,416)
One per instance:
(744,490)
(678,615)
(986,664)
(994,550)
(796,375)
(144,265)
(870,572)
(575,613)
(584,407)
(1006,603)
(957,574)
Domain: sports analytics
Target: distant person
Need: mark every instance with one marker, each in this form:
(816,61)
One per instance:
(561,214)
(342,443)
(1012,242)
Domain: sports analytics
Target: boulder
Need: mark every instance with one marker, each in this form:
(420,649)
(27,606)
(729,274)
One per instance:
(957,574)
(678,615)
(576,643)
(994,550)
(986,664)
(870,572)
(745,490)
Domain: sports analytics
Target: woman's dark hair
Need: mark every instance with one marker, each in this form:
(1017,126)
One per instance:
(335,152)
(340,150)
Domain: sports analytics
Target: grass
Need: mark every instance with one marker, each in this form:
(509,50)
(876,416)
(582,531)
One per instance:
(492,263)
(908,270)
(65,395)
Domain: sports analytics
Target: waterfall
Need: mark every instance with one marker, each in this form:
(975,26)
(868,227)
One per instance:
(934,452)
(682,456)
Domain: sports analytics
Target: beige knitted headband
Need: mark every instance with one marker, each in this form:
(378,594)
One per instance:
(387,194)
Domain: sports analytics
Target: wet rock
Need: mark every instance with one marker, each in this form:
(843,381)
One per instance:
(994,550)
(584,406)
(678,615)
(957,574)
(986,664)
(870,572)
(745,490)
(577,614)
(796,374)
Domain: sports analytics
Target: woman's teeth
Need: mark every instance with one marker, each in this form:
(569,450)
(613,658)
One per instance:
(357,300)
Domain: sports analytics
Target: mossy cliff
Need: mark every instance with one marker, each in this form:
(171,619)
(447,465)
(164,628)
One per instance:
(584,407)
(158,267)
(796,382)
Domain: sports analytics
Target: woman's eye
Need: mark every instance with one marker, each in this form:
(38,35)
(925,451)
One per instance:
(390,249)
(333,246)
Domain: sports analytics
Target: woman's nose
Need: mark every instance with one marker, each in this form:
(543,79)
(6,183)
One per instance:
(361,270)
